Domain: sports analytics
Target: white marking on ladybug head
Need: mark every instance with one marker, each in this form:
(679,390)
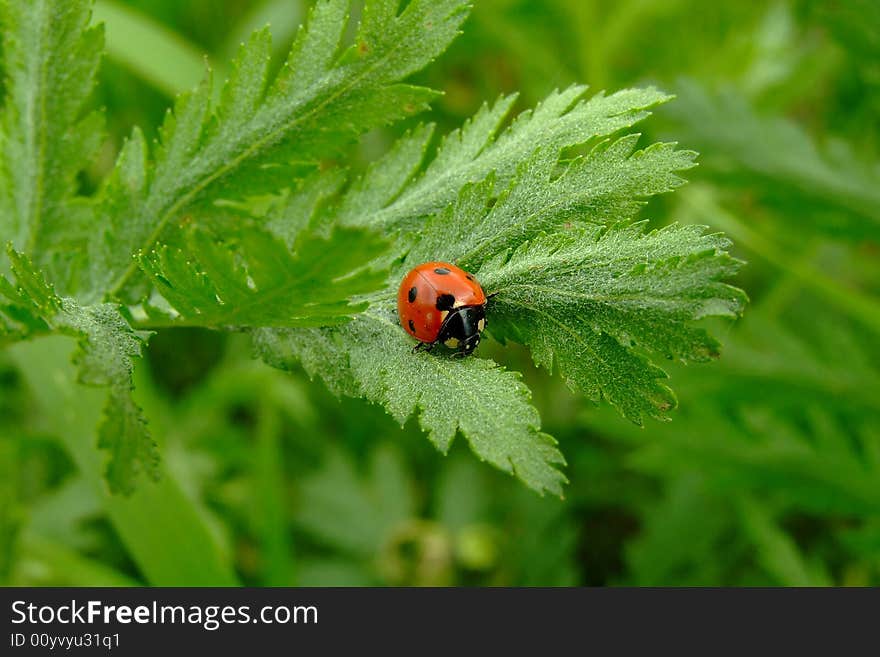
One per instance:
(452,343)
(481,325)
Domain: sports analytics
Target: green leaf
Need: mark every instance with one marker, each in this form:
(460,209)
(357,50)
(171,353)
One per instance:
(261,137)
(50,62)
(576,293)
(321,352)
(591,298)
(251,279)
(565,119)
(489,405)
(304,206)
(107,349)
(605,187)
(24,305)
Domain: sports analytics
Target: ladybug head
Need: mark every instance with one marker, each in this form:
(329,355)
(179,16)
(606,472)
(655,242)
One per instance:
(469,344)
(462,328)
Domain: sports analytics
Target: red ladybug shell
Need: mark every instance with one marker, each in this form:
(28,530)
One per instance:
(424,286)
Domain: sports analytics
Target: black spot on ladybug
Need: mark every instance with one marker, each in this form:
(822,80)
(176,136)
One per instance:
(412,327)
(412,293)
(470,277)
(441,270)
(445,302)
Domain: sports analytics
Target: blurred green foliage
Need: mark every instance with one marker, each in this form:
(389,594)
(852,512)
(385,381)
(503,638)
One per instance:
(768,473)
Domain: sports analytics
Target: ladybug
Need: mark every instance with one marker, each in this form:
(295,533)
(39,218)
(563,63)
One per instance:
(439,302)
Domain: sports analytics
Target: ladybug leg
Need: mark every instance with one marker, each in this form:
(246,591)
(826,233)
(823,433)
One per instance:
(494,294)
(423,346)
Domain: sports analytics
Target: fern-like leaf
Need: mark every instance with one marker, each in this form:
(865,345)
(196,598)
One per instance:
(50,60)
(594,300)
(251,279)
(263,136)
(488,404)
(108,348)
(565,119)
(577,292)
